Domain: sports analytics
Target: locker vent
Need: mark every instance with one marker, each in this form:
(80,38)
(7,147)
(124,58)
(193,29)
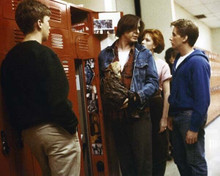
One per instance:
(57,41)
(66,68)
(18,36)
(55,14)
(83,44)
(14,4)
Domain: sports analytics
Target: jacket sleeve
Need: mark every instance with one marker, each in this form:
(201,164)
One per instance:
(151,82)
(56,88)
(201,93)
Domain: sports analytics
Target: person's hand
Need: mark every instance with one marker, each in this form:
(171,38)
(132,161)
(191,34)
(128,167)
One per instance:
(191,137)
(170,123)
(163,124)
(125,104)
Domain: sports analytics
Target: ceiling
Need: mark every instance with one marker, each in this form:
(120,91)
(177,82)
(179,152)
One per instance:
(209,8)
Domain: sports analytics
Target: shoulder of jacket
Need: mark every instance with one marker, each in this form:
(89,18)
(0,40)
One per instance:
(139,47)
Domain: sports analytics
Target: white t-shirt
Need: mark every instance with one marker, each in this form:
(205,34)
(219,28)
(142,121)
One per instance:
(123,57)
(182,58)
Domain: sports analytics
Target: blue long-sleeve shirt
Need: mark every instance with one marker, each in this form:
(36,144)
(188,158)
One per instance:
(190,88)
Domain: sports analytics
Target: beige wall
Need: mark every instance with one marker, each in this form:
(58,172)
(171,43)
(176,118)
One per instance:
(157,14)
(216,40)
(205,35)
(96,5)
(125,6)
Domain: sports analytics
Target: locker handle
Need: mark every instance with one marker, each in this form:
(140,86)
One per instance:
(5,147)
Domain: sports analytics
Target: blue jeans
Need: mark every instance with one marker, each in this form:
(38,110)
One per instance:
(189,158)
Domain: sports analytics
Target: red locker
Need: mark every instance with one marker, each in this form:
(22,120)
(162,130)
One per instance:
(72,38)
(2,50)
(59,14)
(86,47)
(1,8)
(12,34)
(69,68)
(9,8)
(6,160)
(59,41)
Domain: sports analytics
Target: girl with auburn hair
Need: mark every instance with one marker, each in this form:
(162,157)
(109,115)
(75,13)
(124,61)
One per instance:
(153,40)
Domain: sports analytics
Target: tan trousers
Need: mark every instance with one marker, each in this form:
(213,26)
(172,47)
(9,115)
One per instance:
(57,151)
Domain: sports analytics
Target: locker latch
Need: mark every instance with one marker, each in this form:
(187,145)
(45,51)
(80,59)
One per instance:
(5,147)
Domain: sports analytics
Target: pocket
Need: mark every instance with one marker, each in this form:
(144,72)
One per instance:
(141,68)
(141,65)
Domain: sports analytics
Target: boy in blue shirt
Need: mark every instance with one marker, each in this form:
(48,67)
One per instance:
(189,100)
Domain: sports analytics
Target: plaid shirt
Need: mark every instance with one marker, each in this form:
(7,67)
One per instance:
(127,72)
(126,77)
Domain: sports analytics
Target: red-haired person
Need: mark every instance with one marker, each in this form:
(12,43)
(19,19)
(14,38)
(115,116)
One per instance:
(153,40)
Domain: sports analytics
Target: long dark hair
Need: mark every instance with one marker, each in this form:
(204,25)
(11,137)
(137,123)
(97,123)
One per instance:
(128,23)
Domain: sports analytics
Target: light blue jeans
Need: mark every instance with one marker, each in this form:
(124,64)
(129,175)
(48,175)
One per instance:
(189,158)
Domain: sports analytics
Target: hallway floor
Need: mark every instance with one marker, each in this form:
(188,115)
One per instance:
(212,147)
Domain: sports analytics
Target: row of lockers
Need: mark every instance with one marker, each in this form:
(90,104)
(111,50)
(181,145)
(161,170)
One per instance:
(77,50)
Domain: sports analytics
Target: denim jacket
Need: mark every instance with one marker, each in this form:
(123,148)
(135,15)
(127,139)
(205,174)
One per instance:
(145,77)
